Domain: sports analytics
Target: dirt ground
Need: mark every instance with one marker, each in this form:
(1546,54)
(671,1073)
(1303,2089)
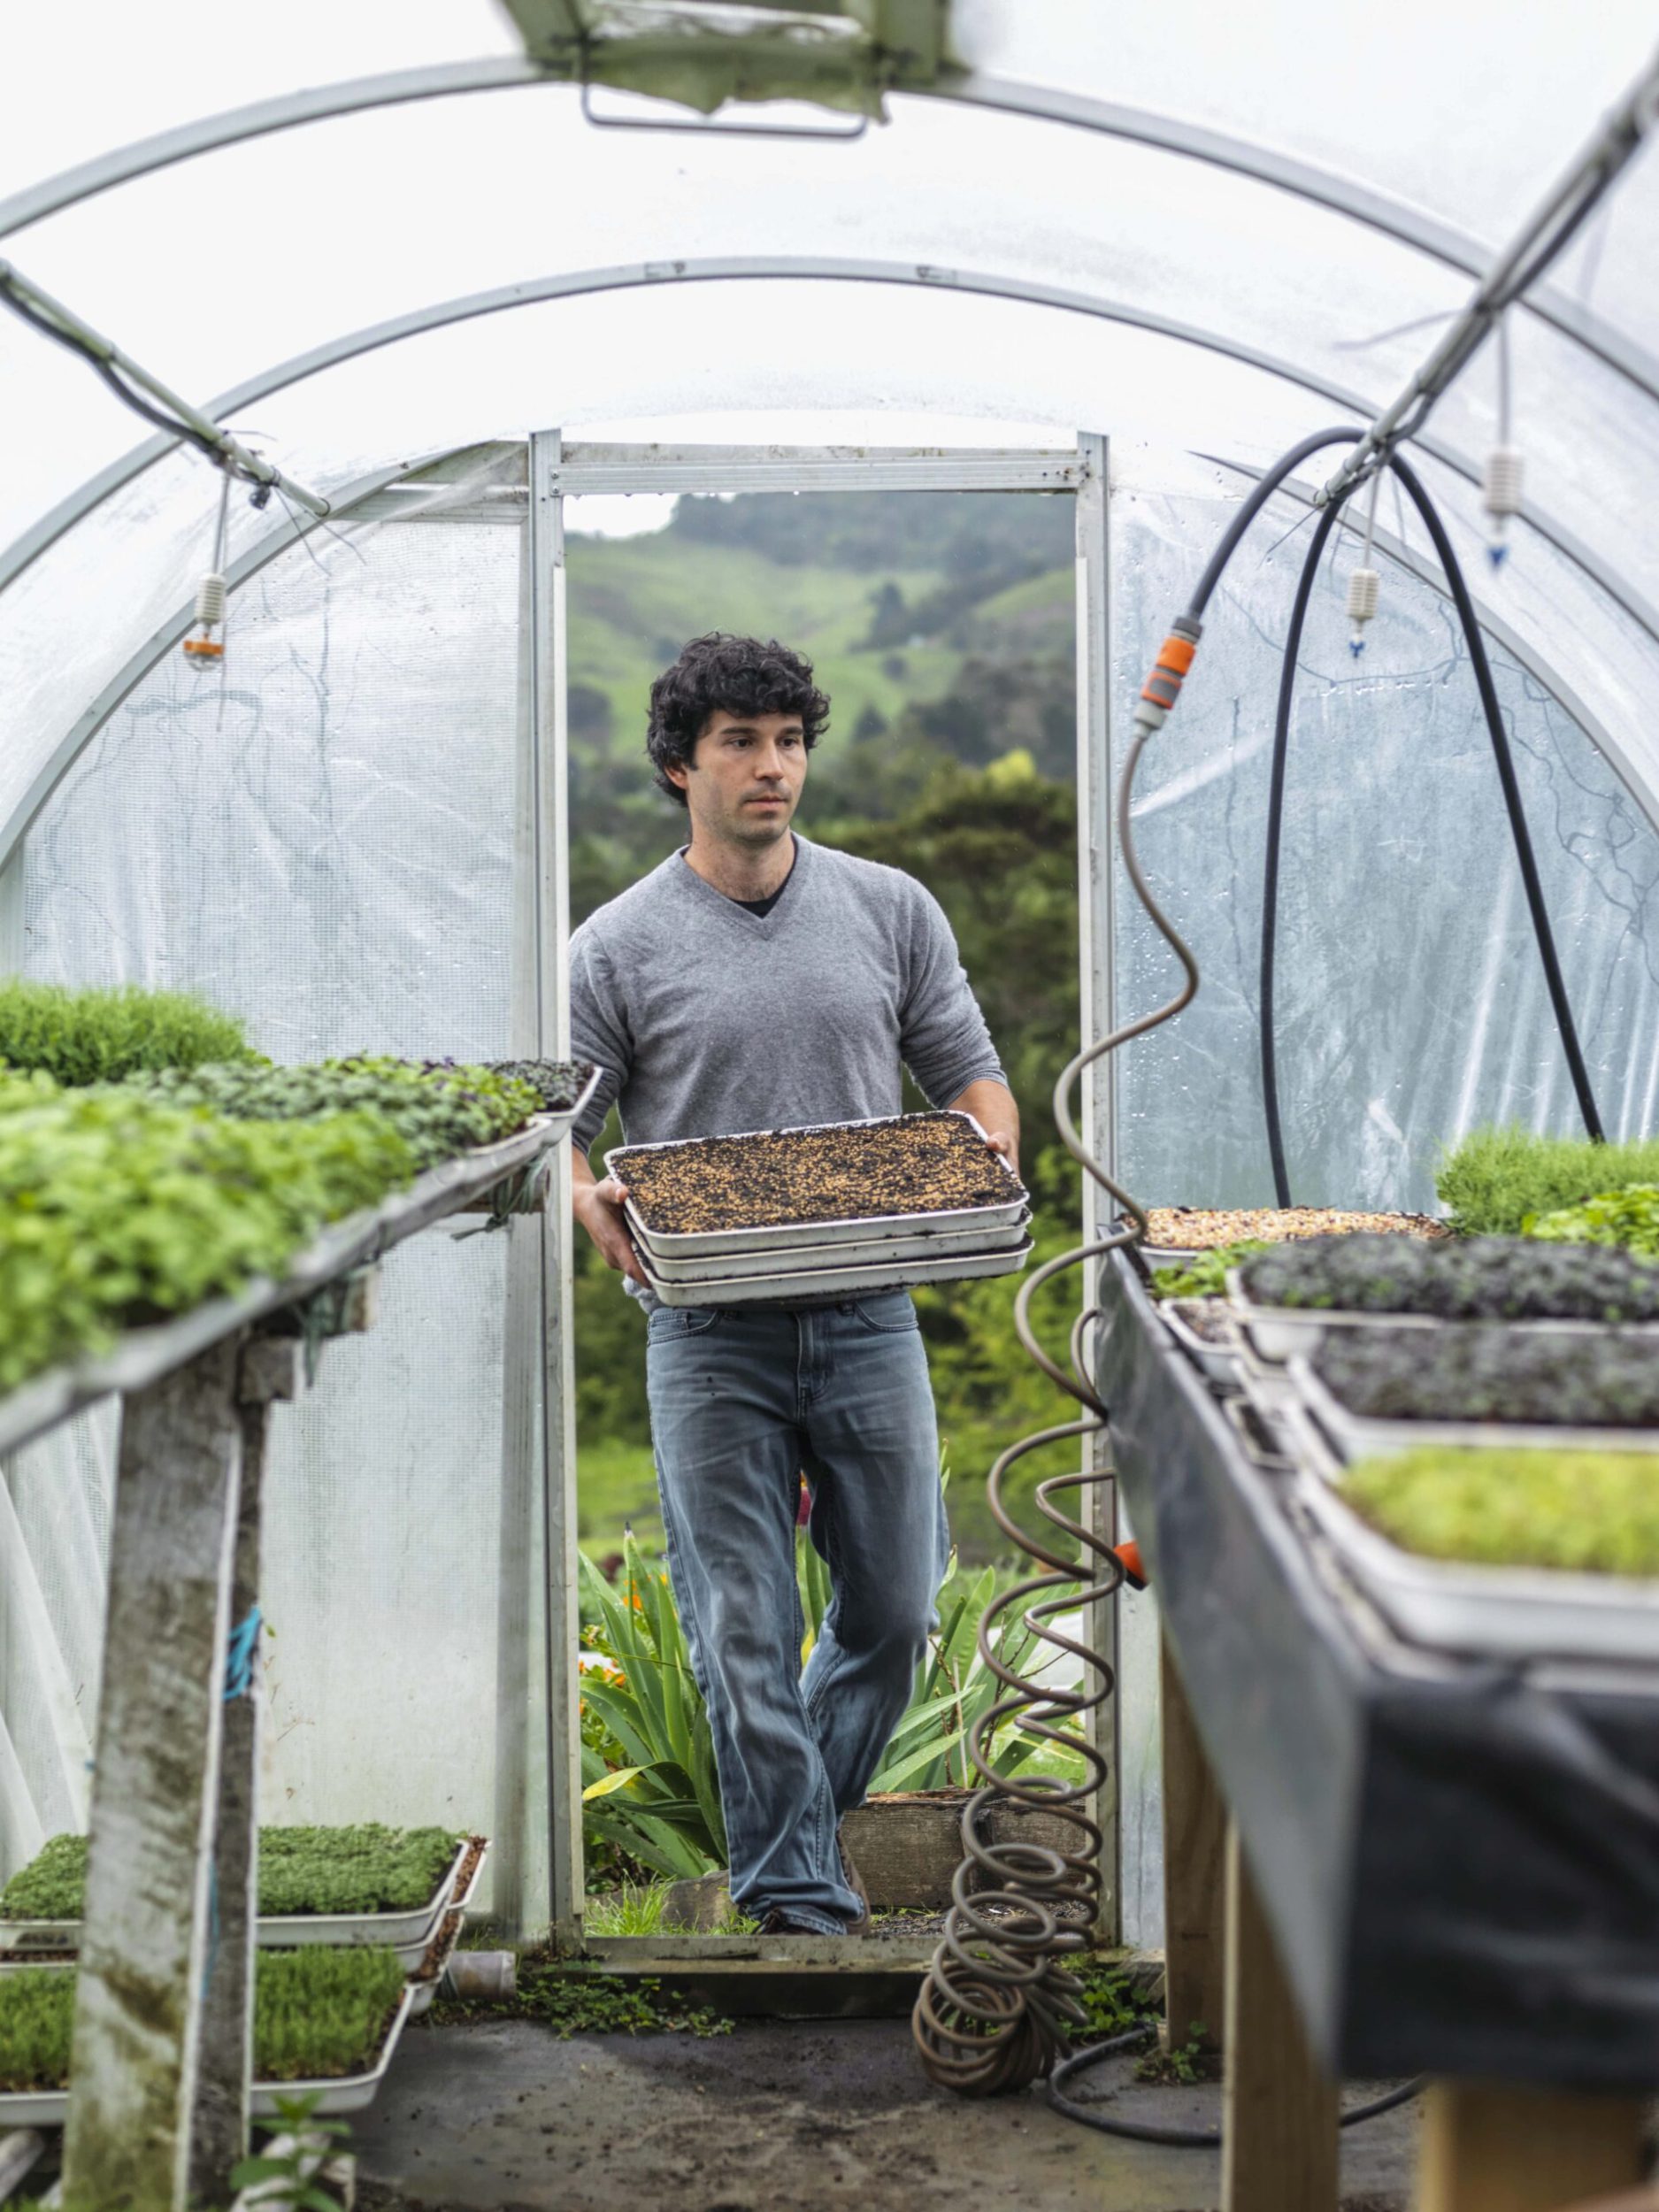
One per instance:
(777,2117)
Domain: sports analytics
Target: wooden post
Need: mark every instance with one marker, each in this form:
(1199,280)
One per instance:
(270,1369)
(155,1785)
(1195,1859)
(1278,2113)
(1500,2146)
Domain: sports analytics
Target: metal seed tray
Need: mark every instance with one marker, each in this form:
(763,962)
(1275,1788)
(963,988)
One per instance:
(800,1235)
(49,2108)
(1506,1612)
(1360,1436)
(1277,1334)
(437,1954)
(400,1931)
(804,1285)
(936,1244)
(1218,1362)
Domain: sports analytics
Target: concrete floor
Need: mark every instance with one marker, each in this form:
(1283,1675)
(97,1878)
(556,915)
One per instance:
(777,2117)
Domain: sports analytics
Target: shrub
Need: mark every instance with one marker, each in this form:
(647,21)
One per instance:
(98,1036)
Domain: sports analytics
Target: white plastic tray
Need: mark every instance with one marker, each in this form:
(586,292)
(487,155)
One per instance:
(686,1245)
(348,2092)
(804,1285)
(1360,1436)
(398,1931)
(1506,1612)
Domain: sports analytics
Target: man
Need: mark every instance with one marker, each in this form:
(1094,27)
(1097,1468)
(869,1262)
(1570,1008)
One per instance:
(755,980)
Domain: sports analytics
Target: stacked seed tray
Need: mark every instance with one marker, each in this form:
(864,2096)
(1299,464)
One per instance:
(836,1210)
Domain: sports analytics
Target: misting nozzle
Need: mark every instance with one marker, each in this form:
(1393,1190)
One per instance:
(202,646)
(1503,489)
(1365,588)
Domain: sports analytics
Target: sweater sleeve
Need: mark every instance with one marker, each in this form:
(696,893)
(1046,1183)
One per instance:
(599,1032)
(943,1038)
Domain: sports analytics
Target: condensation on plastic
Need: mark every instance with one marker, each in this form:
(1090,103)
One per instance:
(1411,999)
(326,848)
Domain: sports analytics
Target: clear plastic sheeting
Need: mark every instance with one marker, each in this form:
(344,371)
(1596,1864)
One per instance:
(325,845)
(1412,1002)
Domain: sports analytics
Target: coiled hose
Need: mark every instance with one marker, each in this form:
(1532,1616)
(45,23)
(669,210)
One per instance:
(997,2005)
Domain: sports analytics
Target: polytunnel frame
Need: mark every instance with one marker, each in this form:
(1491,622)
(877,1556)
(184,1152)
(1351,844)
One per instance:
(542,1019)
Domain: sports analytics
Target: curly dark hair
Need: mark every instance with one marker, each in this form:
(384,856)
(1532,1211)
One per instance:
(732,675)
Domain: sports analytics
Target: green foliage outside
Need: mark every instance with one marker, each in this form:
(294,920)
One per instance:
(115,1209)
(650,1795)
(1628,1217)
(364,1869)
(438,1106)
(941,627)
(317,2012)
(1589,1512)
(98,1036)
(1496,1178)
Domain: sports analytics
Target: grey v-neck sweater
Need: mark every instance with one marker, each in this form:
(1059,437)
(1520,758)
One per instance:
(706,1019)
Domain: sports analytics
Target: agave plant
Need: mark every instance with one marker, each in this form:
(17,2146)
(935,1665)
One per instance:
(649,1783)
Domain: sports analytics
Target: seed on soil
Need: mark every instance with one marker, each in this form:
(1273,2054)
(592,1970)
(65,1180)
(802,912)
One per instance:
(915,1163)
(1198,1229)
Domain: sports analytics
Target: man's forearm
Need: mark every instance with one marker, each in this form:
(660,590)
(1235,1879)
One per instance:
(992,1105)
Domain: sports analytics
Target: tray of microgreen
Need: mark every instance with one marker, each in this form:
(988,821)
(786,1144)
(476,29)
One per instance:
(435,1962)
(1287,1300)
(809,1285)
(362,1884)
(1513,1553)
(904,1176)
(1177,1236)
(1372,1390)
(326,2024)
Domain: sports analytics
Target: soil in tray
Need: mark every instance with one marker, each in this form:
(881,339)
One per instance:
(1583,1512)
(1198,1229)
(1466,1278)
(915,1163)
(1487,1371)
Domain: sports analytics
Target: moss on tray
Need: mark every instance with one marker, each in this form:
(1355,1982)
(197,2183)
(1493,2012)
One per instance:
(320,2012)
(368,1868)
(1588,1512)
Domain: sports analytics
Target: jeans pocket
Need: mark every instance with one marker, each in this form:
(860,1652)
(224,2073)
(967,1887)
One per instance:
(668,1322)
(890,1315)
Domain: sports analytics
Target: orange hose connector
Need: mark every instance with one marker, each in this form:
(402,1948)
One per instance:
(1163,685)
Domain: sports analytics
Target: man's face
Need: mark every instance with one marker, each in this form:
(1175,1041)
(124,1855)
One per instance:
(744,783)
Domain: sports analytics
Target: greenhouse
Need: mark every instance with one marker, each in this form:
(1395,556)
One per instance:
(1180,481)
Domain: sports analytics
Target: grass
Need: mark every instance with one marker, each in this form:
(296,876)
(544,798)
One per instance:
(318,2011)
(616,1489)
(1496,1178)
(364,1869)
(1588,1512)
(637,1909)
(98,1036)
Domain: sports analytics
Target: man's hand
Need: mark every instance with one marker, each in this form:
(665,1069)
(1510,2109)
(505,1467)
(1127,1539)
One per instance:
(992,1106)
(598,1207)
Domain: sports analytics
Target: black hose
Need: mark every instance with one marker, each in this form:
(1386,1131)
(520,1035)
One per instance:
(1252,506)
(1174,2138)
(1275,818)
(1512,800)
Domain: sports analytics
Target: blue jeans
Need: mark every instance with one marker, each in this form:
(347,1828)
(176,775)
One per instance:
(743,1400)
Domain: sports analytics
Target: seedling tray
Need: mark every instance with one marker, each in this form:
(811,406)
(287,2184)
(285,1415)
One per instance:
(408,1933)
(1361,1436)
(936,1244)
(796,1236)
(435,1962)
(807,1286)
(1518,1613)
(1219,1362)
(334,2092)
(1278,1334)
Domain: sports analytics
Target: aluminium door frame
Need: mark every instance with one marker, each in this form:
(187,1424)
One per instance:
(557,469)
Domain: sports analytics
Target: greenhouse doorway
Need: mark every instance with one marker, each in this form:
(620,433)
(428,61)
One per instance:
(589,769)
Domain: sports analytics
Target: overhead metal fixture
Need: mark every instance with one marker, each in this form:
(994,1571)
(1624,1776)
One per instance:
(842,53)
